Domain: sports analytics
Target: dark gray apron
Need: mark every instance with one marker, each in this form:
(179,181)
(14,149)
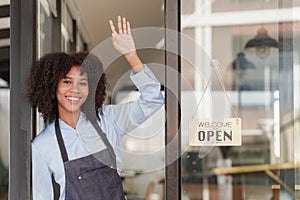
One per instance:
(93,177)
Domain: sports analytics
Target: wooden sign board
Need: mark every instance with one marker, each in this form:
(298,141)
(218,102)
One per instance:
(215,132)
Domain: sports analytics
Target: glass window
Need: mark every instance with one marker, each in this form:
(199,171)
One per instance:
(66,28)
(67,20)
(143,152)
(53,7)
(44,41)
(259,66)
(143,149)
(45,24)
(65,40)
(237,5)
(79,42)
(4,138)
(4,98)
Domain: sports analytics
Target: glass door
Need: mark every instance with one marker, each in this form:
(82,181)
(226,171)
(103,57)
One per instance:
(244,65)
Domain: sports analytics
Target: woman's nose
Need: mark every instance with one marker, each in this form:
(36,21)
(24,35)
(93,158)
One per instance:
(75,88)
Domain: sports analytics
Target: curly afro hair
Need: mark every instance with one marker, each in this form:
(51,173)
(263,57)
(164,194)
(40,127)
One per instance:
(49,69)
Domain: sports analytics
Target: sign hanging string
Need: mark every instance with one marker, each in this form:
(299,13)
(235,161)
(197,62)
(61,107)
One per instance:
(215,64)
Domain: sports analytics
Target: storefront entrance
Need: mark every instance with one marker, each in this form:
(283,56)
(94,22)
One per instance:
(216,60)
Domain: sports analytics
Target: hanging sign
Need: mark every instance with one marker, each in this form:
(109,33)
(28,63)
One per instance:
(215,132)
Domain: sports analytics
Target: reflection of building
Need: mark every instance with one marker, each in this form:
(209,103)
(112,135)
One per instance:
(254,82)
(4,97)
(4,121)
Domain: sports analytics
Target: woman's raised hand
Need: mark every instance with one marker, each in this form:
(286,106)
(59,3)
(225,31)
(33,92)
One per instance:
(123,42)
(122,39)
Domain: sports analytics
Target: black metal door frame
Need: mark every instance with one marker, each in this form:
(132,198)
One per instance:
(22,54)
(172,100)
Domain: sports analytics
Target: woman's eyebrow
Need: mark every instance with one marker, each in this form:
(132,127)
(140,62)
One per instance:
(68,77)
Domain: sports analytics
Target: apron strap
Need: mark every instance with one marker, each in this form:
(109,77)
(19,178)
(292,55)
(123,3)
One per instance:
(105,140)
(62,147)
(60,141)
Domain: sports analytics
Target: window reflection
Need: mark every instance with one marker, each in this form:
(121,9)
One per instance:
(4,98)
(67,29)
(4,139)
(45,24)
(259,81)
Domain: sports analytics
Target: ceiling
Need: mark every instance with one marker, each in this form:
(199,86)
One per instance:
(96,14)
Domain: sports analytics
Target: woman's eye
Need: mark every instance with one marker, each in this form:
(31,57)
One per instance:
(67,82)
(83,84)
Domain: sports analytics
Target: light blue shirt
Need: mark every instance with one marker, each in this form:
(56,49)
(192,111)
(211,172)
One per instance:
(84,140)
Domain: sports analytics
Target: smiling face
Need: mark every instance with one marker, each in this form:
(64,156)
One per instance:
(72,91)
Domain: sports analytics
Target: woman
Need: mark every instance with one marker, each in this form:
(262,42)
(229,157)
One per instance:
(81,143)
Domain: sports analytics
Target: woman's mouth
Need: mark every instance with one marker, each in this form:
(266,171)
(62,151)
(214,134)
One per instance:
(73,98)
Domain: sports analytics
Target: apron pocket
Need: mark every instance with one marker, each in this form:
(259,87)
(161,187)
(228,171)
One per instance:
(100,184)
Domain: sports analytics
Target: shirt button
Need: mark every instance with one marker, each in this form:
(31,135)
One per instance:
(79,177)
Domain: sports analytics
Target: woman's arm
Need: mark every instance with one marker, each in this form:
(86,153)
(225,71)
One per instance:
(124,43)
(128,116)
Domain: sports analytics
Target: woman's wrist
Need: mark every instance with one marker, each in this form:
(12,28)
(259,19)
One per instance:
(131,55)
(134,61)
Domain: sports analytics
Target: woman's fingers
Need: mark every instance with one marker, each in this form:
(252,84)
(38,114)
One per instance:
(113,29)
(121,36)
(128,28)
(123,26)
(120,25)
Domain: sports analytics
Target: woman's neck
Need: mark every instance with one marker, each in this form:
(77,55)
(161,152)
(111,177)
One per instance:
(70,118)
